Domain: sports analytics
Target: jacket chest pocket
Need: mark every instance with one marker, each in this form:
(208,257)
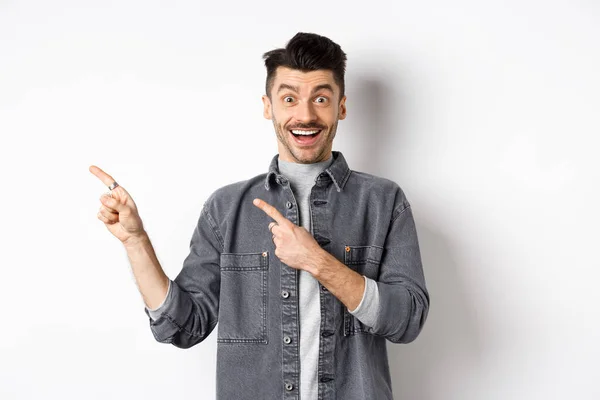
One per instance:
(243,298)
(365,260)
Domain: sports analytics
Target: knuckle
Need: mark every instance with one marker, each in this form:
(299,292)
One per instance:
(105,210)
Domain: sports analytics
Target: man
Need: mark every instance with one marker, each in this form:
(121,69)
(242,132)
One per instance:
(308,268)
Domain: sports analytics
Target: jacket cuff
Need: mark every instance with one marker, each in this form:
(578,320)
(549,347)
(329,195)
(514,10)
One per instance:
(173,314)
(403,313)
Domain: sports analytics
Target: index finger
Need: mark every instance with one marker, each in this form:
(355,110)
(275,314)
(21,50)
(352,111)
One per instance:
(271,211)
(103,176)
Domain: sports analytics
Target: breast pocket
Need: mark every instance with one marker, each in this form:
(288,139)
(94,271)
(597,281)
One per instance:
(243,298)
(365,260)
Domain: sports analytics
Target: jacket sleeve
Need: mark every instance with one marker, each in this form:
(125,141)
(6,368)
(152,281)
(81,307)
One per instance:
(191,312)
(403,296)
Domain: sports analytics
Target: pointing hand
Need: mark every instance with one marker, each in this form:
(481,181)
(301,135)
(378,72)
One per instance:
(118,211)
(294,245)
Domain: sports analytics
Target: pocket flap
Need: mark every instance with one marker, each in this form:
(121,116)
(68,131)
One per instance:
(244,261)
(362,254)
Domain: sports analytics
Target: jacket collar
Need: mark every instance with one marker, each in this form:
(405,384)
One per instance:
(338,171)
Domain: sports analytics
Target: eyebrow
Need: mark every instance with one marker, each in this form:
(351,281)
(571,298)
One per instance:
(325,86)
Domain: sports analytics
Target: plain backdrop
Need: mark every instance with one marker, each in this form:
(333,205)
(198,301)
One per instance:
(485,113)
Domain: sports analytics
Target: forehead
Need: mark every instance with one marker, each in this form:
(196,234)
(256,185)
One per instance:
(303,80)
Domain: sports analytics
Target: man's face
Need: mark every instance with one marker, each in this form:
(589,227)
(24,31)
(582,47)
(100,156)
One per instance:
(304,102)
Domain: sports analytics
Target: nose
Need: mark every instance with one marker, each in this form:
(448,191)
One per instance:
(305,112)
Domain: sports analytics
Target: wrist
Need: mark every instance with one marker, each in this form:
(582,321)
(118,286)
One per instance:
(136,240)
(318,262)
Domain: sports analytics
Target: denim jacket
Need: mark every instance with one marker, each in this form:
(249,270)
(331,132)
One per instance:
(231,275)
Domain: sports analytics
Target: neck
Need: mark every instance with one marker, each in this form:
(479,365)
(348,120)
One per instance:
(301,173)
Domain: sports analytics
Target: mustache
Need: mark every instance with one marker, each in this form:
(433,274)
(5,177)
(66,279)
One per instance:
(306,126)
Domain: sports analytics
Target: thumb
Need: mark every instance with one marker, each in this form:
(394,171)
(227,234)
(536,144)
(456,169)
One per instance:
(112,203)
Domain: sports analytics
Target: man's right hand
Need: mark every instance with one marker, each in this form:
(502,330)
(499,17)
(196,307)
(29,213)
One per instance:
(119,212)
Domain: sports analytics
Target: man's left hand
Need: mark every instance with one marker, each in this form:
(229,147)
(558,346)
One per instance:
(294,245)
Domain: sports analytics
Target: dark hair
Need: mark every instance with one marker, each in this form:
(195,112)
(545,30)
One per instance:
(307,52)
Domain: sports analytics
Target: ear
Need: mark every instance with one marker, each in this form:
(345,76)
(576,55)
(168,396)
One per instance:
(342,108)
(267,107)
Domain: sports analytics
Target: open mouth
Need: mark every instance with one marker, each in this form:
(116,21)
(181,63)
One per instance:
(305,136)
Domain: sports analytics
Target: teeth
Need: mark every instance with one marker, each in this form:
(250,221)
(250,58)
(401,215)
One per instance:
(296,132)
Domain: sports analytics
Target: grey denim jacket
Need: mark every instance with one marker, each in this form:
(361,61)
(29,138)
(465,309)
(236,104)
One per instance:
(232,276)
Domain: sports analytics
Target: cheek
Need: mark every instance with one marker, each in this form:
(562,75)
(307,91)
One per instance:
(277,114)
(328,117)
(281,118)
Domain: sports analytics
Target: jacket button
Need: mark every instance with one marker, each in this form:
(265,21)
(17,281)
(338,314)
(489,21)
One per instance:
(288,204)
(285,294)
(347,249)
(289,386)
(287,340)
(264,254)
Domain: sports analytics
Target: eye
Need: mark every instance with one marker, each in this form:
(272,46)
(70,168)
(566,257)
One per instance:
(288,99)
(321,99)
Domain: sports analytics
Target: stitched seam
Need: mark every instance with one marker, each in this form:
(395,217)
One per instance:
(401,212)
(346,177)
(222,340)
(181,328)
(258,262)
(365,246)
(265,301)
(241,254)
(214,228)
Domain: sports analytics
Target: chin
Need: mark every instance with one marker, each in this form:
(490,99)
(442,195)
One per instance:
(307,156)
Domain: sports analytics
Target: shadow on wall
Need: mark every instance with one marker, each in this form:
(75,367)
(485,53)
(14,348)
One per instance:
(449,340)
(377,116)
(367,106)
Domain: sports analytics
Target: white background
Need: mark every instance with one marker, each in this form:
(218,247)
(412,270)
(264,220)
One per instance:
(485,113)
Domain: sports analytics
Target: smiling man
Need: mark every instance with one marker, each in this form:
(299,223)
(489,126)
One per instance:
(305,106)
(309,268)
